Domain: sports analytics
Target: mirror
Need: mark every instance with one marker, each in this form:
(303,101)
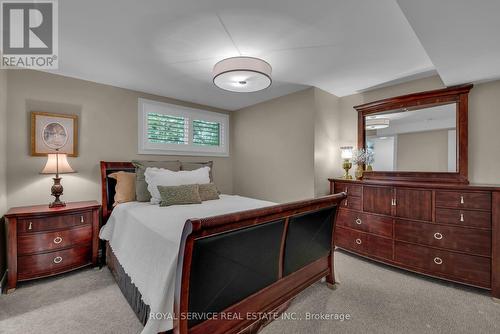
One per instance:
(420,137)
(417,139)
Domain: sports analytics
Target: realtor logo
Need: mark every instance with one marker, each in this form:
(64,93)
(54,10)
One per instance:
(29,37)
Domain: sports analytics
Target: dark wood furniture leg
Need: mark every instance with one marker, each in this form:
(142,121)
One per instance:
(330,278)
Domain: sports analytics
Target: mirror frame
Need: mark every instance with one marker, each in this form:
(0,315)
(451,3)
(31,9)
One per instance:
(457,94)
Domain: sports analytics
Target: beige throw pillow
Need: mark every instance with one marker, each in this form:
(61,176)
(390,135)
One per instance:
(208,191)
(125,187)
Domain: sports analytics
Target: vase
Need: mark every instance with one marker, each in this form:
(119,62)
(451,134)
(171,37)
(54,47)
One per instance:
(369,168)
(359,172)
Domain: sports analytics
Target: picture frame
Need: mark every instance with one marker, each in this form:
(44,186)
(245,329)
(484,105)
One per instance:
(51,132)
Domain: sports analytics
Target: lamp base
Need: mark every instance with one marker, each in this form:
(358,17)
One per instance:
(346,165)
(57,204)
(57,191)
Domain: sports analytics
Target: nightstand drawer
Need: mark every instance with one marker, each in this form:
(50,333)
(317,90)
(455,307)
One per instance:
(40,242)
(30,266)
(53,222)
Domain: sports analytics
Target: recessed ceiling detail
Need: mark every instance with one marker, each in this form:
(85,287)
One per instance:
(242,74)
(169,48)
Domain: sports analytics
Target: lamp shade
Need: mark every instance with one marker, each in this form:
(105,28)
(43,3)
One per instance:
(242,74)
(57,164)
(346,152)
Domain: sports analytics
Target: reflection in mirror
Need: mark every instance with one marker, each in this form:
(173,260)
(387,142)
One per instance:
(421,140)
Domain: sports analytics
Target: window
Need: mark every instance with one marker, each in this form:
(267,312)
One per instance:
(171,129)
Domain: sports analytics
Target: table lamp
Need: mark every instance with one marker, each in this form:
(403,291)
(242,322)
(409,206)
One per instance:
(57,163)
(346,154)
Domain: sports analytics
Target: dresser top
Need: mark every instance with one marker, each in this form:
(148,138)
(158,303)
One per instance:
(44,209)
(411,184)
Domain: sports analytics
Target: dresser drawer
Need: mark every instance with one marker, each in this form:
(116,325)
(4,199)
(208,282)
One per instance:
(363,243)
(40,242)
(30,266)
(350,189)
(380,225)
(463,217)
(465,268)
(53,222)
(453,238)
(353,203)
(465,200)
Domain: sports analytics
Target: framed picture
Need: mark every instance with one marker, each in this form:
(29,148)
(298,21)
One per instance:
(54,132)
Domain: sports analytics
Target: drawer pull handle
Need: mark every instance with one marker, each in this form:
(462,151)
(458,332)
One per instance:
(358,241)
(393,202)
(345,190)
(30,226)
(57,259)
(58,240)
(438,236)
(358,221)
(438,260)
(81,219)
(462,200)
(462,217)
(345,203)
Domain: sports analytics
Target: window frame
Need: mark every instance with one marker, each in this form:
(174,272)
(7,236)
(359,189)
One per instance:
(146,106)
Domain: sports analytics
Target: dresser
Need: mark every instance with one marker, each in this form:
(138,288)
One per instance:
(441,230)
(43,241)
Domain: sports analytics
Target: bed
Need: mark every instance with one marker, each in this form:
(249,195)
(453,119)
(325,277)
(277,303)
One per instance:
(219,266)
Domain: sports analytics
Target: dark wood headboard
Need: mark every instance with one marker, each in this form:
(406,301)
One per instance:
(108,184)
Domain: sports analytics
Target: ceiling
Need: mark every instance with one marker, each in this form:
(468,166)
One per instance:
(462,37)
(169,47)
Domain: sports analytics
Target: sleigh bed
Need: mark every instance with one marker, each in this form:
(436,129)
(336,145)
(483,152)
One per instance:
(232,268)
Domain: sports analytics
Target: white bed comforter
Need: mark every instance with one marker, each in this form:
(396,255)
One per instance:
(146,238)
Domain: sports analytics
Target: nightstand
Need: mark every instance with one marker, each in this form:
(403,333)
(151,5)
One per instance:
(43,241)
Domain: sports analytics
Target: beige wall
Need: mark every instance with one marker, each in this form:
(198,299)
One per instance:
(108,131)
(484,136)
(3,142)
(422,151)
(327,141)
(3,167)
(281,150)
(484,117)
(273,148)
(273,140)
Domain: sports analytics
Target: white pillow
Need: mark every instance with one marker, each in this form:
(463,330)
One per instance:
(163,177)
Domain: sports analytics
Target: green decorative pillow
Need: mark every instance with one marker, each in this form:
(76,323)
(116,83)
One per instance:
(185,194)
(141,187)
(208,191)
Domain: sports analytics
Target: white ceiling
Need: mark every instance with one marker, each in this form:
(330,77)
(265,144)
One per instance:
(169,47)
(462,37)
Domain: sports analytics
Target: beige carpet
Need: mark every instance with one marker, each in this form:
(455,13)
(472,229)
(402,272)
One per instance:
(378,299)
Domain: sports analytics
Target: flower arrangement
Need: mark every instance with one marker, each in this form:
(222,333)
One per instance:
(362,157)
(359,156)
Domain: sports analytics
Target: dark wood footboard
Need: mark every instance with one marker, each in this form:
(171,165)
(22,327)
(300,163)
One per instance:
(235,270)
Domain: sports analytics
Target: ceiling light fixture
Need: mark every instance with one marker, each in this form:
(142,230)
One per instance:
(377,123)
(242,74)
